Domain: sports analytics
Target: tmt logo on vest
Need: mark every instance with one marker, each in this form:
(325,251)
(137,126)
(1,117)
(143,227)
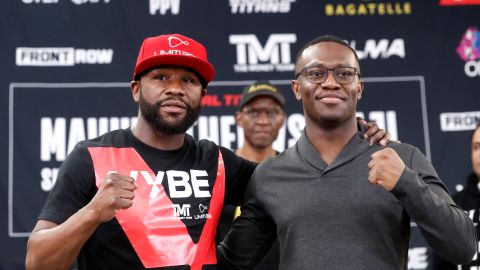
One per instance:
(275,54)
(178,183)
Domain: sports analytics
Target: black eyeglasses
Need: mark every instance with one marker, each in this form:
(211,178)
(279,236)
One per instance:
(255,113)
(319,74)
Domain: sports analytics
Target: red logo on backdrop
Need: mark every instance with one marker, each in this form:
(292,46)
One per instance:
(160,239)
(459,2)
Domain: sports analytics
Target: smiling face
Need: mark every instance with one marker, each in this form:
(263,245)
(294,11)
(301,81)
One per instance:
(169,98)
(329,103)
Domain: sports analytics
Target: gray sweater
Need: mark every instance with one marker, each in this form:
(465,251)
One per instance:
(331,217)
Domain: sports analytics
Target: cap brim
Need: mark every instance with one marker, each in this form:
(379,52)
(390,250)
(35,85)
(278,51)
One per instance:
(204,68)
(275,96)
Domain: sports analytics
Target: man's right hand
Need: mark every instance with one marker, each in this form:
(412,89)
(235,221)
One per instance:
(115,193)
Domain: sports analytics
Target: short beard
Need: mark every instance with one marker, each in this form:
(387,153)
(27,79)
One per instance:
(151,113)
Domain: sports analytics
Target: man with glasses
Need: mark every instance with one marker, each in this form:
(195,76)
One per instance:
(333,200)
(260,114)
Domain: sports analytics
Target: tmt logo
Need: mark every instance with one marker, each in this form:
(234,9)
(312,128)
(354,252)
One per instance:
(253,57)
(469,51)
(162,6)
(181,211)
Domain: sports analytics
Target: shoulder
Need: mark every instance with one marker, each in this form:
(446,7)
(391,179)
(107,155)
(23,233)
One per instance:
(116,138)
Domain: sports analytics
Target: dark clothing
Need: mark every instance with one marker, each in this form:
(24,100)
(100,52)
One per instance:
(331,217)
(271,259)
(469,200)
(187,176)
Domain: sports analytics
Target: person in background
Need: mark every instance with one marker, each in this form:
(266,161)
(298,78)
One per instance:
(333,200)
(469,200)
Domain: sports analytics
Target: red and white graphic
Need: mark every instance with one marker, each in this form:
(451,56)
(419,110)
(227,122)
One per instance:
(459,2)
(152,225)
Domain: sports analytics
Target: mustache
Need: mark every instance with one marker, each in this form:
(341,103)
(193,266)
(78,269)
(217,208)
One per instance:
(159,103)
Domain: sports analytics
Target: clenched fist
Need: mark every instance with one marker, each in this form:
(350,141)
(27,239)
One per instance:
(115,193)
(386,167)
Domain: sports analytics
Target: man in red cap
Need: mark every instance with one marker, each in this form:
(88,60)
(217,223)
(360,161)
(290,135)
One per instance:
(148,196)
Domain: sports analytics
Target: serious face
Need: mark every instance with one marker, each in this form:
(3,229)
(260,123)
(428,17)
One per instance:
(261,120)
(332,101)
(169,98)
(476,152)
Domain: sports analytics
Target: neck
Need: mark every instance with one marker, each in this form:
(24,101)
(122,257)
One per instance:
(256,154)
(330,141)
(144,132)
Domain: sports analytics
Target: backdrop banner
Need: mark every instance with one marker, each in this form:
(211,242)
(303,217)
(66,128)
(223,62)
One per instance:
(67,65)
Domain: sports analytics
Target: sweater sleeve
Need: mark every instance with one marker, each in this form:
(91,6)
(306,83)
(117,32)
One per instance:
(250,237)
(445,226)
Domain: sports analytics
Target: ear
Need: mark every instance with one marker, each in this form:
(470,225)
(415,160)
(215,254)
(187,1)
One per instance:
(239,118)
(296,90)
(204,92)
(135,87)
(360,89)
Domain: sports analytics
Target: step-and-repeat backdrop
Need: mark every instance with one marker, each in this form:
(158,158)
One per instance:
(66,67)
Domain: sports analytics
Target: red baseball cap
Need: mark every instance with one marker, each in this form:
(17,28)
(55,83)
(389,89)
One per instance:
(174,49)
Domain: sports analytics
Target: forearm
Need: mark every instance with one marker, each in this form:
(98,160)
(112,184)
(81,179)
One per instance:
(56,247)
(446,227)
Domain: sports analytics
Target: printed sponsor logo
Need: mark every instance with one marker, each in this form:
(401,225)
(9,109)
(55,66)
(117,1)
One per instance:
(458,121)
(182,211)
(253,57)
(61,56)
(260,6)
(163,7)
(363,8)
(383,48)
(469,51)
(178,183)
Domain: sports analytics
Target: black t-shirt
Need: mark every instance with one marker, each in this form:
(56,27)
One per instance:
(187,175)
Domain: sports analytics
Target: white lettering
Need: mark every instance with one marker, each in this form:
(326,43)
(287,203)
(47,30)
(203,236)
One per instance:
(52,138)
(61,56)
(276,53)
(49,176)
(260,6)
(226,134)
(197,183)
(182,212)
(178,179)
(40,1)
(382,48)
(417,258)
(295,126)
(472,68)
(162,6)
(208,128)
(385,120)
(459,121)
